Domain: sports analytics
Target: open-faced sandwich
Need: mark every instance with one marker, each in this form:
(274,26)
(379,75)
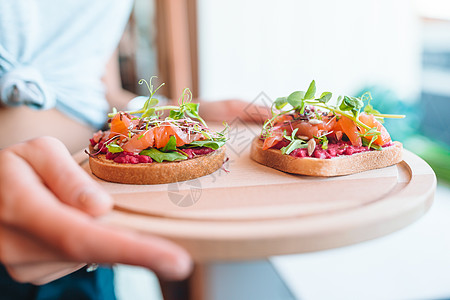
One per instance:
(143,147)
(317,138)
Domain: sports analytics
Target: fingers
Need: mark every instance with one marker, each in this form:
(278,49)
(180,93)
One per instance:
(165,258)
(42,273)
(72,236)
(71,185)
(27,205)
(85,240)
(16,247)
(82,239)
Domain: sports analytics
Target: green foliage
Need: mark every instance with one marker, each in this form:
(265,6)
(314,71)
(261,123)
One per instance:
(295,143)
(311,92)
(160,156)
(114,148)
(213,144)
(353,104)
(295,99)
(171,144)
(280,102)
(346,106)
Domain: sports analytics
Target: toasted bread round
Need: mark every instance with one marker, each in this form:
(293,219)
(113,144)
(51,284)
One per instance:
(341,165)
(157,173)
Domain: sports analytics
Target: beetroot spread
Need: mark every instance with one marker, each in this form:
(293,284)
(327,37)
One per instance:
(128,158)
(131,158)
(98,146)
(193,152)
(339,148)
(332,150)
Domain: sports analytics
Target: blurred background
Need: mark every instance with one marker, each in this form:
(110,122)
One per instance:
(398,50)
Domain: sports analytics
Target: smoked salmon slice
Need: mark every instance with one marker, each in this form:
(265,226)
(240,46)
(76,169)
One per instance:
(269,142)
(158,137)
(370,121)
(140,142)
(348,127)
(120,124)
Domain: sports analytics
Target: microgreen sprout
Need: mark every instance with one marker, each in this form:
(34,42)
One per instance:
(295,143)
(346,106)
(150,110)
(371,133)
(113,147)
(186,107)
(323,140)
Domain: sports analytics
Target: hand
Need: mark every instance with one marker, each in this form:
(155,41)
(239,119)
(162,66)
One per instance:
(229,110)
(48,210)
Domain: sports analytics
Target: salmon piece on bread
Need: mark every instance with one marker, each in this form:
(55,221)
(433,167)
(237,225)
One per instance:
(316,138)
(342,165)
(143,147)
(157,173)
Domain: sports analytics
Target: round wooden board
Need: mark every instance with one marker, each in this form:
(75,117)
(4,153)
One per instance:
(249,211)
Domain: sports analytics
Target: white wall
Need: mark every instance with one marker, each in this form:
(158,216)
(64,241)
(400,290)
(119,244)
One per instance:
(249,46)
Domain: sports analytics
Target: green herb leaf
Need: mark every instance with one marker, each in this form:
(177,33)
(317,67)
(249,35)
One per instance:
(311,92)
(171,144)
(368,109)
(348,107)
(296,98)
(370,144)
(323,140)
(148,113)
(153,102)
(192,110)
(280,102)
(160,156)
(176,114)
(207,143)
(292,136)
(325,143)
(149,107)
(114,148)
(352,104)
(294,144)
(371,134)
(325,97)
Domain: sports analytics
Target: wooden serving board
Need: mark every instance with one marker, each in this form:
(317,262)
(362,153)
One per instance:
(249,211)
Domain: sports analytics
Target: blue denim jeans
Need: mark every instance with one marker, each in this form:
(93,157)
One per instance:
(80,285)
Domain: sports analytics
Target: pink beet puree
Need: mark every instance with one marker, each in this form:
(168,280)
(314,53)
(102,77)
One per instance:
(193,152)
(333,150)
(131,158)
(101,148)
(128,158)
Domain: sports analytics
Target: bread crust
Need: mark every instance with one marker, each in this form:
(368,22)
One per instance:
(157,173)
(342,165)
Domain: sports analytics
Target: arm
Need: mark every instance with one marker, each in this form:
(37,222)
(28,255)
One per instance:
(115,94)
(230,110)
